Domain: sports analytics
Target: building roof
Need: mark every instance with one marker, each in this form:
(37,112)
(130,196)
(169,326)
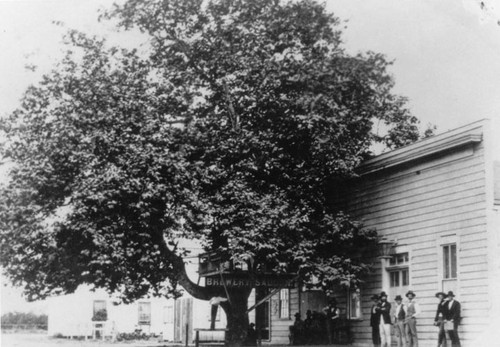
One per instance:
(452,139)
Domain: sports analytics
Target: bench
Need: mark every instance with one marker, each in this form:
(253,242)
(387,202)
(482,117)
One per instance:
(209,337)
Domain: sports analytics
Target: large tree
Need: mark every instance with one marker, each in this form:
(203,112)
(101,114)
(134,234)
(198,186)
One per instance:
(239,130)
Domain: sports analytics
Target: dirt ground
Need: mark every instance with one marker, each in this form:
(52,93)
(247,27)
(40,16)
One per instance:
(42,340)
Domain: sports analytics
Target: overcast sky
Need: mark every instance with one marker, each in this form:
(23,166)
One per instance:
(446,53)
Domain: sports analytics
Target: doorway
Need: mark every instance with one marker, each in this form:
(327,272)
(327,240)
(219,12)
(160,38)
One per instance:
(262,314)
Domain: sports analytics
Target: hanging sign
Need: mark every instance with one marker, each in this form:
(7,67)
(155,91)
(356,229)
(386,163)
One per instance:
(235,281)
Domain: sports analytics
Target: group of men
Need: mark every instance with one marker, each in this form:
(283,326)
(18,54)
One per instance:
(404,319)
(318,328)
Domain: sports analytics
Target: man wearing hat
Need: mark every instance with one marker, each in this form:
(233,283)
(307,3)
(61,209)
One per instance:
(412,311)
(453,315)
(296,330)
(375,321)
(332,319)
(399,321)
(384,312)
(442,307)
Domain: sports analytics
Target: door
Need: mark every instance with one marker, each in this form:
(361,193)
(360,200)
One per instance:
(262,314)
(183,324)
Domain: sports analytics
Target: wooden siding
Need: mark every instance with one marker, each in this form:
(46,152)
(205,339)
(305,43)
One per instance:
(419,204)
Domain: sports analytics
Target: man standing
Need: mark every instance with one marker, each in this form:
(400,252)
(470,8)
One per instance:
(442,307)
(384,311)
(375,321)
(453,315)
(297,331)
(412,312)
(332,318)
(399,321)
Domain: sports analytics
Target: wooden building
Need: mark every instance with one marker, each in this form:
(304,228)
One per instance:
(437,203)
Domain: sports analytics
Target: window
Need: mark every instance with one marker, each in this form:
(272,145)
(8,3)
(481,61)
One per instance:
(450,261)
(398,272)
(399,278)
(355,304)
(405,277)
(144,313)
(285,303)
(394,276)
(399,259)
(100,311)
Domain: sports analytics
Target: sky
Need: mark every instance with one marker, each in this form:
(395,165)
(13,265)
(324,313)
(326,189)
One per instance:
(446,55)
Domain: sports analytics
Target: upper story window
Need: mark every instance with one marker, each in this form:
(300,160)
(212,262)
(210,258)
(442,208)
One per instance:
(450,261)
(144,313)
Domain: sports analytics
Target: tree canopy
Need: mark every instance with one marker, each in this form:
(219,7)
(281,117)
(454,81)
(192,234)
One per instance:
(238,130)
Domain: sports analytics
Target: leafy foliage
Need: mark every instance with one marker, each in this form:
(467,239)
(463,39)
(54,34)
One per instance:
(237,131)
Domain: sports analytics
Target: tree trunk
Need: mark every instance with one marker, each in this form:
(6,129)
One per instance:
(235,308)
(237,317)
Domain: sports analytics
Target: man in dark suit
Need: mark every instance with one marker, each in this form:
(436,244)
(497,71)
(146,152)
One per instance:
(332,320)
(452,314)
(442,307)
(375,321)
(384,311)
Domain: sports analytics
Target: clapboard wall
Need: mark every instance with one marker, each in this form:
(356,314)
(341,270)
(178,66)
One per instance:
(422,194)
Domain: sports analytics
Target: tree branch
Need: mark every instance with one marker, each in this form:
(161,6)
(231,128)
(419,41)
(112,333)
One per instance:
(182,278)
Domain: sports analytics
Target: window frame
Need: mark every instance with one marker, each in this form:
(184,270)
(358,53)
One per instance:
(97,308)
(450,261)
(284,304)
(399,268)
(139,313)
(443,283)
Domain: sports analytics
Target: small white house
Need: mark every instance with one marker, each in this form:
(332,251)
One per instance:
(96,314)
(87,313)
